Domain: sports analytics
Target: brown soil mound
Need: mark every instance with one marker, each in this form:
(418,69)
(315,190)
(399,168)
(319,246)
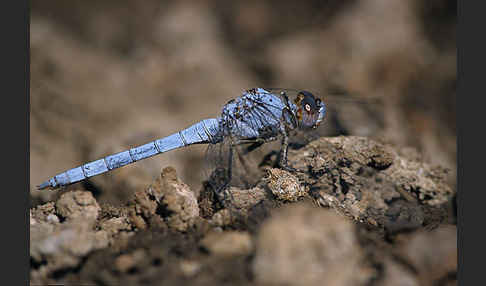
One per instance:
(359,212)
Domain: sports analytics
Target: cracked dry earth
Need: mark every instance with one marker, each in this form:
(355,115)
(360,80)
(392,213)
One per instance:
(359,212)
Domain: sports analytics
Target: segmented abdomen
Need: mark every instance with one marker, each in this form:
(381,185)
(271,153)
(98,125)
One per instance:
(205,131)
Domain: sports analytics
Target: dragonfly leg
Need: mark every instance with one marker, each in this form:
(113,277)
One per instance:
(224,196)
(283,163)
(255,143)
(222,191)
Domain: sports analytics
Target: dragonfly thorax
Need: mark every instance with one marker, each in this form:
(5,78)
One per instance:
(255,114)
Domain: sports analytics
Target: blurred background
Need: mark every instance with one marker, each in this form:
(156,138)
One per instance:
(110,75)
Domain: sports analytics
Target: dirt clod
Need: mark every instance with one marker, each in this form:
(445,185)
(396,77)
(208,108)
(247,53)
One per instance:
(394,198)
(433,254)
(305,245)
(176,202)
(284,185)
(64,245)
(125,262)
(77,204)
(228,243)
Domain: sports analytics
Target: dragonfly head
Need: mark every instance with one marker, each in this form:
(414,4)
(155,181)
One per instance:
(310,110)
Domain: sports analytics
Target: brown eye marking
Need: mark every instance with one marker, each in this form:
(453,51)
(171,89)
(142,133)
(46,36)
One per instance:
(299,98)
(299,114)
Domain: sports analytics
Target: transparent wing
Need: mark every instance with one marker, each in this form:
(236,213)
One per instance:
(234,163)
(332,95)
(261,120)
(350,117)
(347,114)
(217,163)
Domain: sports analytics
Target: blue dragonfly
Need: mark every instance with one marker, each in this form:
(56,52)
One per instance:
(258,116)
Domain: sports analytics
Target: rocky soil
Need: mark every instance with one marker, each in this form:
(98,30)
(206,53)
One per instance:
(357,212)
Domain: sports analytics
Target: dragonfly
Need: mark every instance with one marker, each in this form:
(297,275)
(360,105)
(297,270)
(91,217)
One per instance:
(258,116)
